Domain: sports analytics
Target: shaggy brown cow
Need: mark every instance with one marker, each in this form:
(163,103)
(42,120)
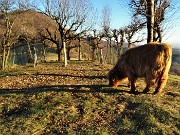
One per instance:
(151,61)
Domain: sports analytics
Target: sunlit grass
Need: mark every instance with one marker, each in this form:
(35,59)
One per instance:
(85,110)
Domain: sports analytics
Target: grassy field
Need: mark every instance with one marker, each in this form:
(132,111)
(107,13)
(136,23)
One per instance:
(52,99)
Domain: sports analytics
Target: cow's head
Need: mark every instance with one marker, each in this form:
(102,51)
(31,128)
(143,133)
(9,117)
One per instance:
(113,78)
(116,77)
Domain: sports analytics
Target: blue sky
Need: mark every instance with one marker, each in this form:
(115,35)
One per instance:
(119,14)
(120,17)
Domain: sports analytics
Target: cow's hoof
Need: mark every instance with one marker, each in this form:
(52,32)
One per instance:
(134,92)
(156,93)
(145,90)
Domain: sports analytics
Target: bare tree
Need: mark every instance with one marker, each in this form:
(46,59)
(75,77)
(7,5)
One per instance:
(28,39)
(94,41)
(119,40)
(160,8)
(79,48)
(106,30)
(79,40)
(122,32)
(9,37)
(73,43)
(131,30)
(23,4)
(153,13)
(71,17)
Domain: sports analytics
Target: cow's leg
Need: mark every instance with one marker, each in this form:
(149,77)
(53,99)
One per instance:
(133,86)
(146,90)
(160,86)
(129,83)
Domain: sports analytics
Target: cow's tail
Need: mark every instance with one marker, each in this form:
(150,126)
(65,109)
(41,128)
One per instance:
(167,58)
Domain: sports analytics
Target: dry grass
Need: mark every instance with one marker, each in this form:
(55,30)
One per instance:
(52,99)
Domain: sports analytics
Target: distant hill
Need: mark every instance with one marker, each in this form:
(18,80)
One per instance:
(175,68)
(29,23)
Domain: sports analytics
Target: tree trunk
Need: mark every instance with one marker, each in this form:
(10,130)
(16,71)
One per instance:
(79,53)
(111,53)
(68,49)
(44,53)
(14,57)
(7,56)
(59,50)
(155,38)
(65,54)
(79,50)
(35,57)
(93,54)
(120,48)
(159,33)
(30,59)
(150,20)
(3,57)
(129,42)
(129,45)
(101,56)
(107,52)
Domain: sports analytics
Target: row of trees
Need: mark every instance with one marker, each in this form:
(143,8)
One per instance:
(74,19)
(145,13)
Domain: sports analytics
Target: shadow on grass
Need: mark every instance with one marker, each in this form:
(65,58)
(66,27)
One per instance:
(60,75)
(66,88)
(76,76)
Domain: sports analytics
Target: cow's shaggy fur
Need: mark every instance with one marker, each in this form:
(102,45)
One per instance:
(151,61)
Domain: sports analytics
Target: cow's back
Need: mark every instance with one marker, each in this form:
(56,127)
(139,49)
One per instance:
(149,59)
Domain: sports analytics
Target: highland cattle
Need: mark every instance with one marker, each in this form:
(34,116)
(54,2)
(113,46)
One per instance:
(151,61)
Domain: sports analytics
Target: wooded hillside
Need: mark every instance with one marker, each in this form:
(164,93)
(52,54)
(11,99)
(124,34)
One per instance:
(31,23)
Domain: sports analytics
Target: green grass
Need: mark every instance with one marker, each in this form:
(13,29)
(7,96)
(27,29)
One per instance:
(87,109)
